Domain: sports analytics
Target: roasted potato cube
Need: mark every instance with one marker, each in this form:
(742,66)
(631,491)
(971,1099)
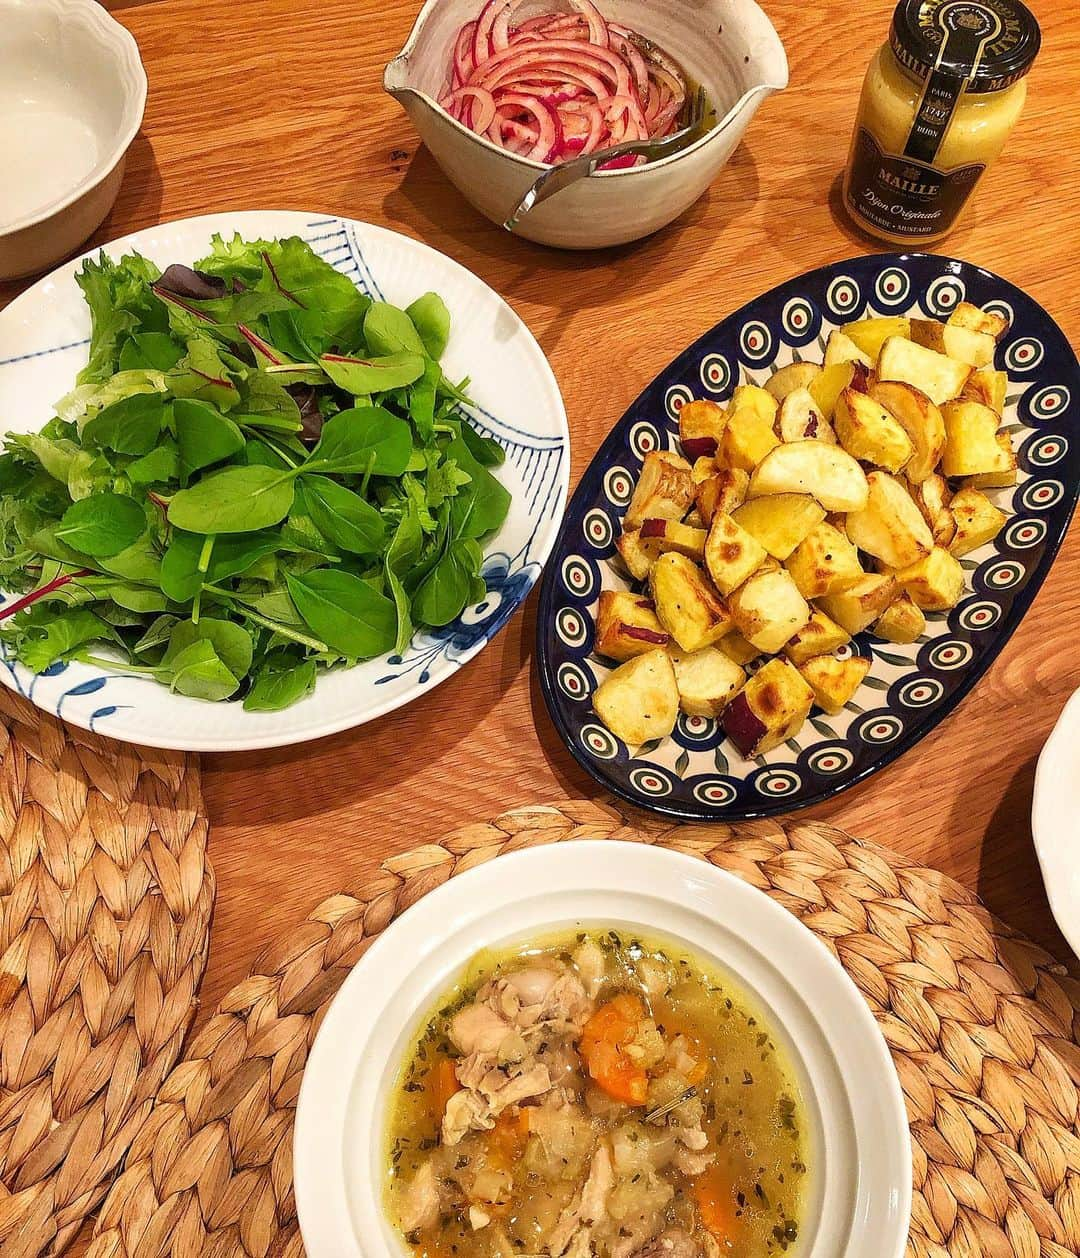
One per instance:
(748,437)
(788,379)
(695,520)
(932,497)
(871,334)
(935,583)
(769,610)
(977,521)
(687,605)
(701,425)
(988,387)
(722,492)
(868,432)
(748,397)
(890,527)
(769,709)
(708,680)
(975,320)
(826,388)
(736,648)
(840,348)
(780,521)
(800,420)
(731,553)
(704,467)
(901,622)
(857,607)
(971,445)
(825,562)
(920,419)
(665,489)
(976,349)
(1004,475)
(939,377)
(826,472)
(639,700)
(637,555)
(626,625)
(834,681)
(818,636)
(667,535)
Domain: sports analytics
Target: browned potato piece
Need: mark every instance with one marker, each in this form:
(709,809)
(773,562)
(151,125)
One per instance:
(932,496)
(975,320)
(736,648)
(840,348)
(939,377)
(722,492)
(781,521)
(769,709)
(747,439)
(769,610)
(665,489)
(708,680)
(857,607)
(935,583)
(868,432)
(901,622)
(818,636)
(701,425)
(830,474)
(976,349)
(626,625)
(639,700)
(731,554)
(988,387)
(665,535)
(748,397)
(971,445)
(834,681)
(703,468)
(826,388)
(637,555)
(890,527)
(687,605)
(920,419)
(977,521)
(1002,476)
(824,563)
(871,334)
(788,379)
(799,419)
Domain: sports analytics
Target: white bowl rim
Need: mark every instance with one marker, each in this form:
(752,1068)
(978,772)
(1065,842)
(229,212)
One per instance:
(423,936)
(528,163)
(1048,811)
(118,39)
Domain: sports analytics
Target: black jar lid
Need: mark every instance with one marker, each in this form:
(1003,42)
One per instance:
(988,43)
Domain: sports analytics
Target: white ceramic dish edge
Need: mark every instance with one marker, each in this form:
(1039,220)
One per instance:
(1054,820)
(862,1200)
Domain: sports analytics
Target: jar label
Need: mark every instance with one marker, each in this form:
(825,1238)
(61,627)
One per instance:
(904,196)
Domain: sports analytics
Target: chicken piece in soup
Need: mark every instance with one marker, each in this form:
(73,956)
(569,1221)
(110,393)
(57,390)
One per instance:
(596,1095)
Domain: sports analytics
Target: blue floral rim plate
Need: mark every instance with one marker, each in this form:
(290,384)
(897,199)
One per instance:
(697,773)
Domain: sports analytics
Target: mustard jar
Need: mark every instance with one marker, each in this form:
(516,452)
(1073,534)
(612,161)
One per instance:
(938,103)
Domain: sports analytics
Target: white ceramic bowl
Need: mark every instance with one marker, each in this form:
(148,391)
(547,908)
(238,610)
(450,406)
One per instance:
(859,1198)
(1054,825)
(72,94)
(729,46)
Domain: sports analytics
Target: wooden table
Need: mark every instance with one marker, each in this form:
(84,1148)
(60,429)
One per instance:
(278,104)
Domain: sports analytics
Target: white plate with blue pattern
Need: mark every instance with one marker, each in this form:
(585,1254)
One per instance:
(43,344)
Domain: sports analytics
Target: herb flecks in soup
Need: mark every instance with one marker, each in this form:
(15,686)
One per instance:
(596,1096)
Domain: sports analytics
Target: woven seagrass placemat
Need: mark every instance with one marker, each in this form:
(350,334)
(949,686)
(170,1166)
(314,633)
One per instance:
(983,1027)
(105,901)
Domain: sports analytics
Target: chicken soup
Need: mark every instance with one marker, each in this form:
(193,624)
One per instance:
(596,1095)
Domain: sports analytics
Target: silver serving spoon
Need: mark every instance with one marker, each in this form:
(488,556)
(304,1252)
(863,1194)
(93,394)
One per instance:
(556,178)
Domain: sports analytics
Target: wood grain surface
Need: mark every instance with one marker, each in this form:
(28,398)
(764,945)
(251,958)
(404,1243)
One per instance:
(277,104)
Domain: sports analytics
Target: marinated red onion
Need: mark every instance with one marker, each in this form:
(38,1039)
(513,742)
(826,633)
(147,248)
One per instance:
(561,84)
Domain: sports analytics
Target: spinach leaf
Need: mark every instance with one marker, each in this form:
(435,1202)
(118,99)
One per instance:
(130,426)
(364,440)
(157,634)
(485,450)
(280,681)
(156,468)
(388,330)
(233,500)
(343,516)
(102,525)
(445,592)
(363,376)
(202,375)
(203,436)
(156,350)
(230,641)
(431,319)
(402,607)
(345,612)
(481,507)
(198,672)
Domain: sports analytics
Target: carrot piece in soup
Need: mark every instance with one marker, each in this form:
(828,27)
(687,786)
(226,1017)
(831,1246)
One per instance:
(716,1205)
(603,1046)
(442,1084)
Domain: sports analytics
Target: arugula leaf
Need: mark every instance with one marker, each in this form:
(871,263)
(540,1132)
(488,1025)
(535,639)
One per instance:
(233,500)
(42,635)
(345,612)
(281,681)
(103,525)
(365,440)
(362,376)
(343,516)
(431,319)
(130,426)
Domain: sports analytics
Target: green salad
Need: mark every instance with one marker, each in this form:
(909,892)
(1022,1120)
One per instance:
(261,472)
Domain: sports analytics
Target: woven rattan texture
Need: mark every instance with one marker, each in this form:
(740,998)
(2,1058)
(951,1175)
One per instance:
(105,901)
(983,1027)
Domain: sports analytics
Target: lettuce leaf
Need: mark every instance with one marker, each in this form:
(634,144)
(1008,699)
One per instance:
(121,302)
